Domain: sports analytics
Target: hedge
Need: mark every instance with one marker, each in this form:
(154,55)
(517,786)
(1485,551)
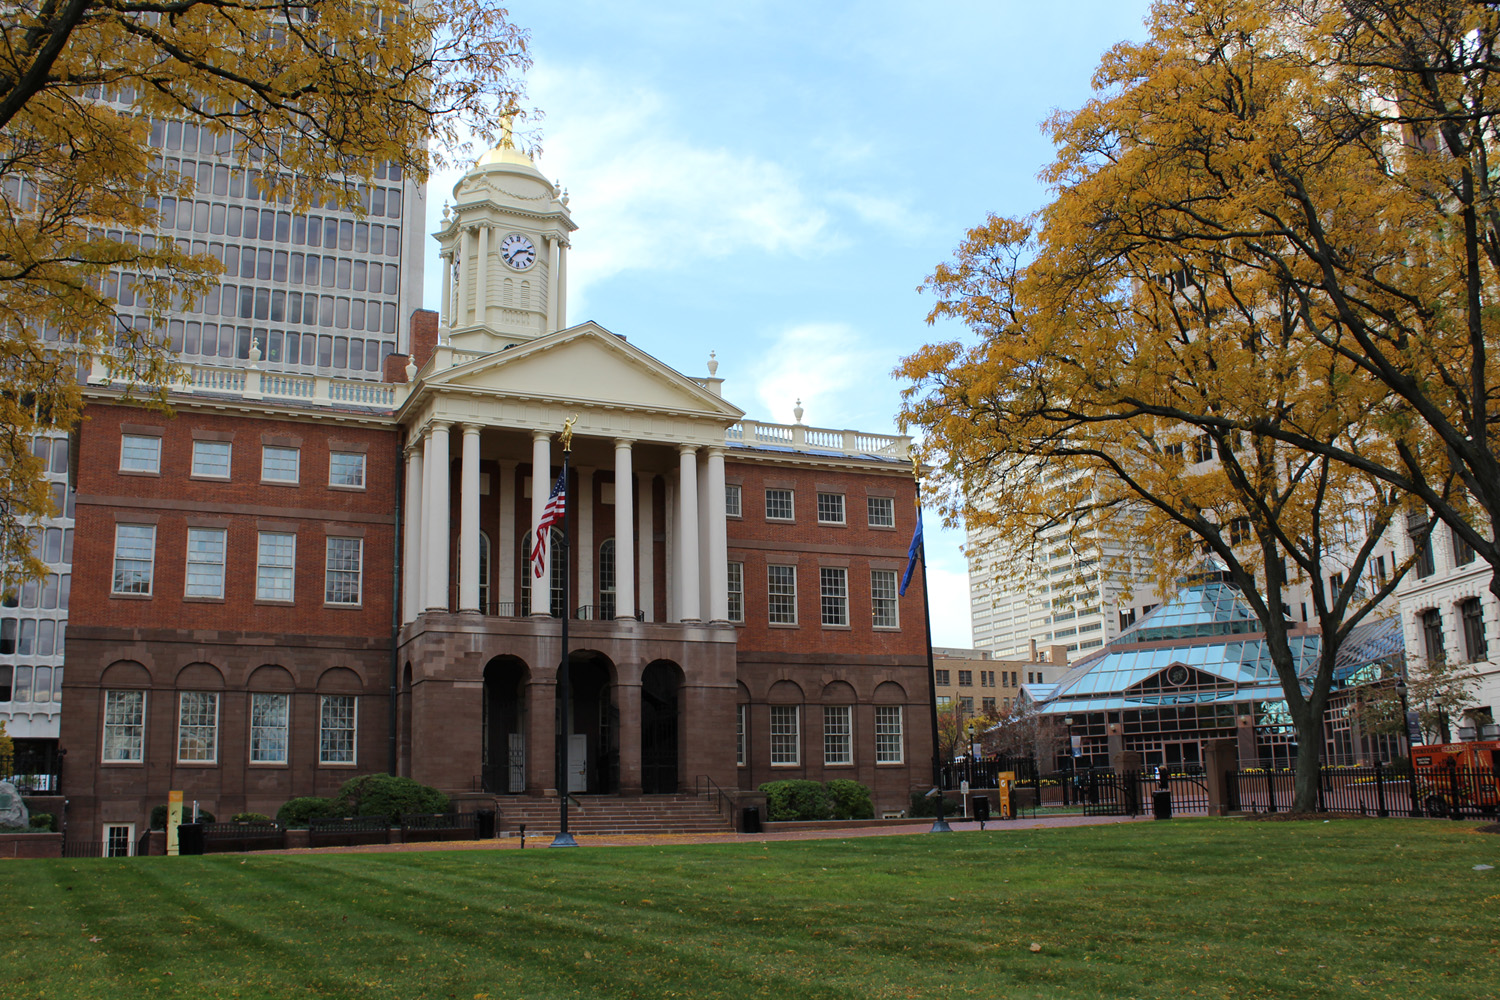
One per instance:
(294,813)
(788,801)
(387,795)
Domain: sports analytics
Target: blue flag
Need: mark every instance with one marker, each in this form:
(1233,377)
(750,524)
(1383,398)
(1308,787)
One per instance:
(911,555)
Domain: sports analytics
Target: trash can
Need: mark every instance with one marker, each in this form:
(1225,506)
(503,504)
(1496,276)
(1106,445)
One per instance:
(484,824)
(190,838)
(982,808)
(750,819)
(1161,803)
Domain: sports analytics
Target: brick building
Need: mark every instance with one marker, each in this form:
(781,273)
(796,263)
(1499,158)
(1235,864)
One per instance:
(295,579)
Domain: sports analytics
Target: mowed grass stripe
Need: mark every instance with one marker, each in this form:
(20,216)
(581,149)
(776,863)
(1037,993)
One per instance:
(1204,908)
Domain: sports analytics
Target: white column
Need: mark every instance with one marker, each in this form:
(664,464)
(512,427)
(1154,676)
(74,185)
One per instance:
(437,518)
(671,514)
(461,307)
(687,534)
(705,581)
(646,598)
(505,538)
(562,288)
(554,254)
(584,545)
(411,572)
(426,540)
(541,485)
(468,523)
(482,277)
(447,260)
(625,604)
(716,532)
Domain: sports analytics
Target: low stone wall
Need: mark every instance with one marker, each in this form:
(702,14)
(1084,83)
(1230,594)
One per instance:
(30,845)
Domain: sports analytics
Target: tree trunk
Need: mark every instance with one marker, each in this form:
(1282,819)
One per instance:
(1309,758)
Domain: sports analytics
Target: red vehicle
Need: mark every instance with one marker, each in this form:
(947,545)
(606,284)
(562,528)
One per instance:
(1458,777)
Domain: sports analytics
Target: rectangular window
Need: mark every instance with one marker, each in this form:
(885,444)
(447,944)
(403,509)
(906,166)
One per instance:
(205,562)
(346,469)
(881,512)
(741,717)
(966,703)
(275,566)
(940,676)
(781,583)
(1423,548)
(211,459)
(140,453)
(135,553)
(279,465)
(830,508)
(119,840)
(343,574)
(1463,553)
(732,505)
(269,728)
(786,736)
(198,727)
(944,700)
(779,505)
(834,588)
(988,704)
(336,726)
(838,735)
(883,606)
(736,591)
(1472,612)
(888,741)
(1432,635)
(124,726)
(965,678)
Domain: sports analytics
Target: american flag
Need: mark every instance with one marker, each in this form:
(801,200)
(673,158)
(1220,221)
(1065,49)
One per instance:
(557,504)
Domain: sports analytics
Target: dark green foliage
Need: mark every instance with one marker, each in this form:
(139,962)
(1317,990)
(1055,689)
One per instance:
(42,821)
(159,816)
(796,800)
(295,813)
(921,805)
(850,800)
(388,795)
(251,818)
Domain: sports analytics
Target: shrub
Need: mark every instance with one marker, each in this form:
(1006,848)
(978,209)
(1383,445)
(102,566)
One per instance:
(159,816)
(850,799)
(921,805)
(796,800)
(41,821)
(390,796)
(251,818)
(296,812)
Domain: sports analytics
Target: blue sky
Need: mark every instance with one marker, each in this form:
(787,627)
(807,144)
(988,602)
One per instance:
(773,180)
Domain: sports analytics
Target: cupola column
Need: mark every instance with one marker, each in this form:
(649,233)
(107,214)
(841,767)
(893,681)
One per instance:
(482,278)
(447,259)
(554,254)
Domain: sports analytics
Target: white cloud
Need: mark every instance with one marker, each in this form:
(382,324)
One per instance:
(826,365)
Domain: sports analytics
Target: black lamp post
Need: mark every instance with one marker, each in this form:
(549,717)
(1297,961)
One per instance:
(1072,760)
(1411,760)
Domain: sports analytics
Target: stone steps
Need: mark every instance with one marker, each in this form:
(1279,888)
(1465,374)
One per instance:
(603,814)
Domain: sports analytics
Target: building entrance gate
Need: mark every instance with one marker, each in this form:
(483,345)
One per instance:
(660,686)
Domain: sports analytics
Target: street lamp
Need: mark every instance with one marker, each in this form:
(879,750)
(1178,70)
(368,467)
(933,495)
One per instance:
(1072,760)
(1411,760)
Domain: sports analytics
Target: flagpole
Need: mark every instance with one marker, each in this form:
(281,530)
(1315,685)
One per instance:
(564,679)
(940,825)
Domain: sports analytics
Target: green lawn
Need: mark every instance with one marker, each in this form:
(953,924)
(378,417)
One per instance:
(1207,908)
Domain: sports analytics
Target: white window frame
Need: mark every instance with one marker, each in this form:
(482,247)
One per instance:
(733,500)
(272,459)
(741,728)
(786,735)
(359,457)
(206,551)
(787,594)
(791,504)
(270,727)
(831,500)
(129,730)
(884,597)
(328,754)
(890,737)
(838,735)
(203,450)
(134,557)
(887,508)
(833,596)
(607,579)
(281,566)
(107,831)
(197,727)
(736,591)
(140,453)
(329,570)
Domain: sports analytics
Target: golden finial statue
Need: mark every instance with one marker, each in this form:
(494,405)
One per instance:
(916,467)
(567,432)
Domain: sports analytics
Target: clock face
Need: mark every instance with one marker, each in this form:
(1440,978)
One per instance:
(518,251)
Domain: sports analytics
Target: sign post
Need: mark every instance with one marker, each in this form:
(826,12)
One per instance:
(174,819)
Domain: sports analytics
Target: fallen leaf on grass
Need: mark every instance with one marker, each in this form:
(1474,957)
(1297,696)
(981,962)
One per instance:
(1035,947)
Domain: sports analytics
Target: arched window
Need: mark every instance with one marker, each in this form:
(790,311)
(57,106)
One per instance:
(484,574)
(559,598)
(607,580)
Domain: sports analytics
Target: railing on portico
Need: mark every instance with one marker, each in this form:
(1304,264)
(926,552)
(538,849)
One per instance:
(800,437)
(250,381)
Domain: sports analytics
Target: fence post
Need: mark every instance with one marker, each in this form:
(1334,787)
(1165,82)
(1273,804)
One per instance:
(1322,774)
(1380,789)
(1271,789)
(1455,800)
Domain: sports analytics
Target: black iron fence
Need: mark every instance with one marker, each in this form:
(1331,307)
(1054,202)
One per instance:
(234,838)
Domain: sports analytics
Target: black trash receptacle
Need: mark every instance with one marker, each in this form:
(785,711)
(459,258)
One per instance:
(982,808)
(484,824)
(750,819)
(1161,803)
(191,838)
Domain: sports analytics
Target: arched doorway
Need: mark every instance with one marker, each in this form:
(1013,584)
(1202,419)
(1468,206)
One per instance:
(596,723)
(503,726)
(661,686)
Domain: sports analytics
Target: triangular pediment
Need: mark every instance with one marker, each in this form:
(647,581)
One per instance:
(586,365)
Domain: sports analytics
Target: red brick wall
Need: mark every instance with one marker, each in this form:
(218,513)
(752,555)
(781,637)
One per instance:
(243,505)
(424,333)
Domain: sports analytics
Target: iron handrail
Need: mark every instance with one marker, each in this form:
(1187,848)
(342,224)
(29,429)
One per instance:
(724,801)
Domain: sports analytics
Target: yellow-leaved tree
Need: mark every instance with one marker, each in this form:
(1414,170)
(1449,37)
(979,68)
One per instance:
(1153,364)
(311,97)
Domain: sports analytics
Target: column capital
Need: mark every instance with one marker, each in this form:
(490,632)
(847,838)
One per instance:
(687,449)
(439,425)
(538,436)
(472,428)
(624,443)
(717,450)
